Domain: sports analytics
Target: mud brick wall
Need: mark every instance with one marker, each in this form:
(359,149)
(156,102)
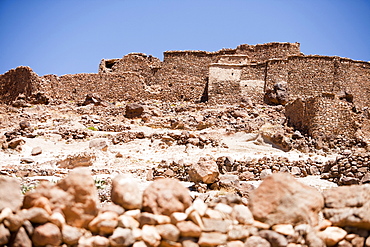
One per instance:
(21,80)
(264,52)
(113,87)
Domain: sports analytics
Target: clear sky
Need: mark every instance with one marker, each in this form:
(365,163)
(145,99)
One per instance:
(72,36)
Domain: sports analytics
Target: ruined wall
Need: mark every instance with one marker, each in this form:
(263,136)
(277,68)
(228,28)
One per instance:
(353,77)
(263,52)
(183,75)
(113,87)
(139,63)
(323,116)
(21,80)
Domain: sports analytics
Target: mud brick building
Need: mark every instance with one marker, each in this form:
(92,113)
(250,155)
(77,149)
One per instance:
(227,76)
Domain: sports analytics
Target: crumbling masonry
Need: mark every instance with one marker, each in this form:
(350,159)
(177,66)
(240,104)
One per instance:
(273,73)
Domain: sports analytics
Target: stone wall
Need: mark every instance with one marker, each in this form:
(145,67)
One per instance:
(112,87)
(323,116)
(21,80)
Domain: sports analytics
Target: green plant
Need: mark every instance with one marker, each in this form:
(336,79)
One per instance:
(100,184)
(25,188)
(92,128)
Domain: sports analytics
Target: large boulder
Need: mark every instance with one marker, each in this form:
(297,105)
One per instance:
(126,192)
(76,196)
(281,199)
(10,193)
(348,206)
(166,196)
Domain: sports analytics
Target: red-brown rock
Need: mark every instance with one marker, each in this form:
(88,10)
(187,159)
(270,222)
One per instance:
(165,196)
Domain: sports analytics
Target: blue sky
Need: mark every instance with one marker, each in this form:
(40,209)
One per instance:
(72,36)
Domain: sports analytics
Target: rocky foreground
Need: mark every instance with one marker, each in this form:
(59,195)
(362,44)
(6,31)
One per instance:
(280,212)
(195,174)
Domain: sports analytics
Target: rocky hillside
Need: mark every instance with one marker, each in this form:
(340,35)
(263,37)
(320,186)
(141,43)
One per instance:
(64,177)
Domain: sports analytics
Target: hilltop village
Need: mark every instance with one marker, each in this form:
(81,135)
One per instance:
(260,145)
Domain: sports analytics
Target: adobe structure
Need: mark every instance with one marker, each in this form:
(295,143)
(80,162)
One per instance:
(272,73)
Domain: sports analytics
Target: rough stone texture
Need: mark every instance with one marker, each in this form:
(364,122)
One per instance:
(126,193)
(275,239)
(48,234)
(77,160)
(281,199)
(212,239)
(256,241)
(99,144)
(205,171)
(76,196)
(81,187)
(4,235)
(70,234)
(166,196)
(348,206)
(151,236)
(21,239)
(134,110)
(168,232)
(188,229)
(10,194)
(121,237)
(332,235)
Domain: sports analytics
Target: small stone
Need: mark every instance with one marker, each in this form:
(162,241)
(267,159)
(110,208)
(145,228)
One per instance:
(224,208)
(177,217)
(151,236)
(168,232)
(274,238)
(26,160)
(332,235)
(214,225)
(200,206)
(35,215)
(189,243)
(99,144)
(108,219)
(121,237)
(57,219)
(126,192)
(188,229)
(243,215)
(284,229)
(265,173)
(13,222)
(71,235)
(256,241)
(367,242)
(237,232)
(47,234)
(236,243)
(126,221)
(134,110)
(36,151)
(100,241)
(15,143)
(212,239)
